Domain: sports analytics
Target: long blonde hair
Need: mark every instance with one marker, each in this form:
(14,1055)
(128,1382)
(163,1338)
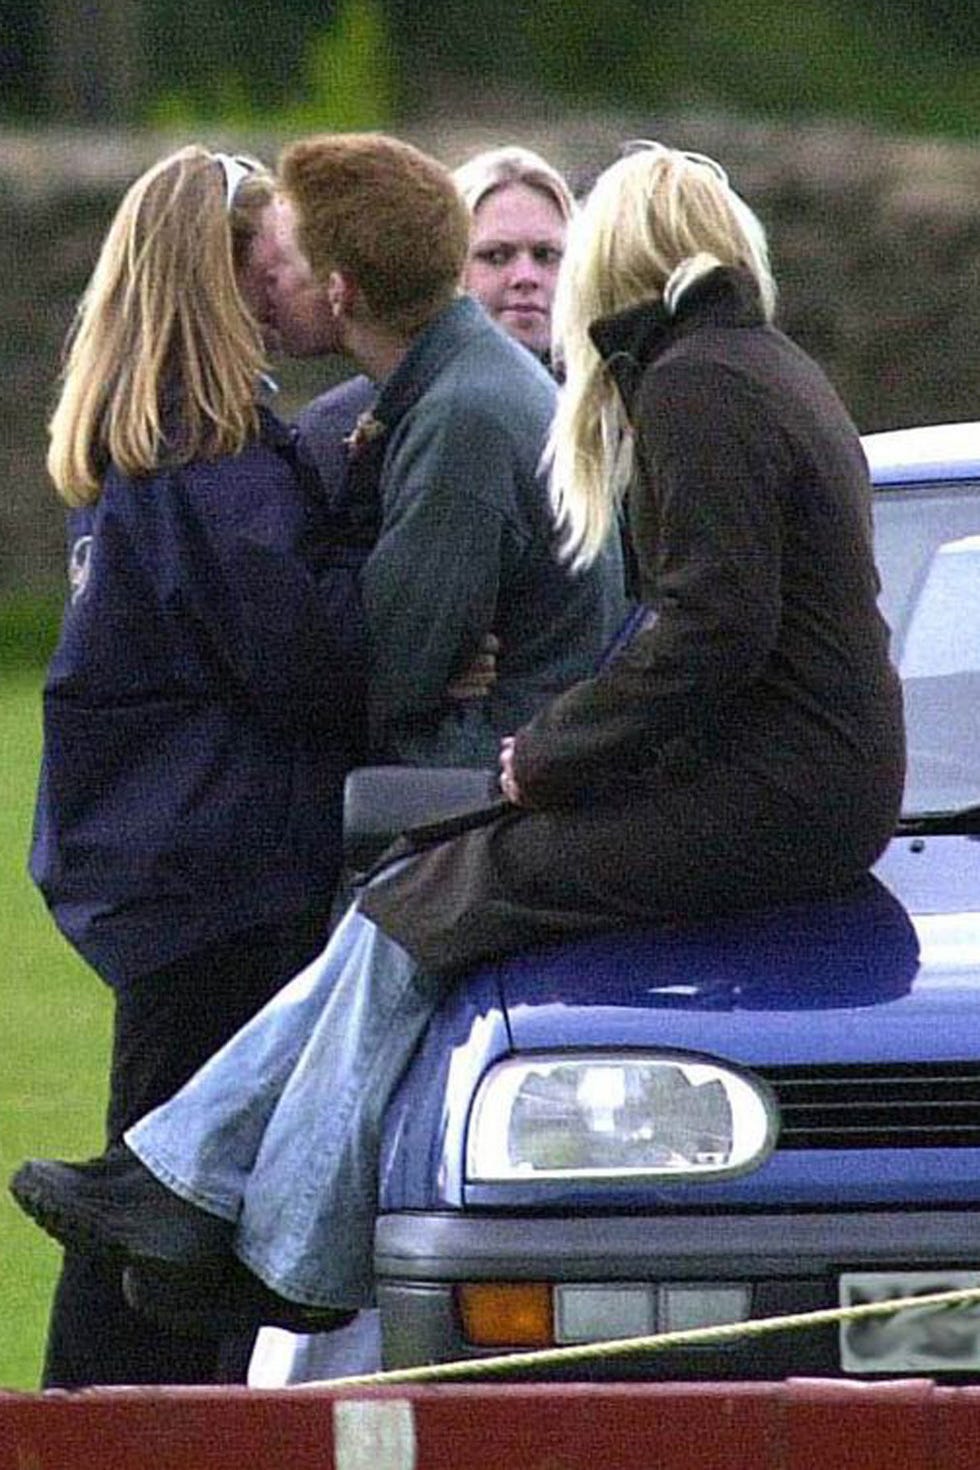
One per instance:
(162,342)
(655,221)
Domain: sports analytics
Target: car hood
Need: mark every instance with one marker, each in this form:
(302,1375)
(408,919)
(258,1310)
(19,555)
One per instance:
(889,972)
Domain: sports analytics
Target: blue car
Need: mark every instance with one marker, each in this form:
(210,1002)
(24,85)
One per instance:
(708,1124)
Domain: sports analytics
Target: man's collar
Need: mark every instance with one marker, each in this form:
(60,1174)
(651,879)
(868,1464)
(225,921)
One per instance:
(429,350)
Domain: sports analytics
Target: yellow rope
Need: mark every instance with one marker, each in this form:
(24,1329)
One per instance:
(519,1362)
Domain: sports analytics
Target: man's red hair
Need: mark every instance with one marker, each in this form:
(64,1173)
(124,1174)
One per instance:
(385,215)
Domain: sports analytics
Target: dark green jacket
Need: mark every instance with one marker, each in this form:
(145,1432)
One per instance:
(467,547)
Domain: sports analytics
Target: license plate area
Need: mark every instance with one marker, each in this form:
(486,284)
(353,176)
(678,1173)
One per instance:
(936,1339)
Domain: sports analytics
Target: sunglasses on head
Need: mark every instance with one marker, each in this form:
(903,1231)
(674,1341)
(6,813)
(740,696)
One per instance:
(647,145)
(235,169)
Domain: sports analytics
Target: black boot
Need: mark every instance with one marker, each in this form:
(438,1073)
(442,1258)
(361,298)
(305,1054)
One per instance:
(114,1206)
(222,1297)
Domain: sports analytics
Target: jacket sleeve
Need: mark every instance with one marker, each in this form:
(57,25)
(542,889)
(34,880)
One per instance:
(431,584)
(282,626)
(706,515)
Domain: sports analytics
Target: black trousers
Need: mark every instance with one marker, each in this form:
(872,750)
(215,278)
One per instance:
(166,1025)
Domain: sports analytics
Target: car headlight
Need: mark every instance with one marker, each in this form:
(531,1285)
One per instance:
(617,1115)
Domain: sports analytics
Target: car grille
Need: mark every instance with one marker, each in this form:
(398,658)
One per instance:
(880,1106)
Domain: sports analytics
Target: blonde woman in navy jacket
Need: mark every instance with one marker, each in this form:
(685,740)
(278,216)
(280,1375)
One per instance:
(205,698)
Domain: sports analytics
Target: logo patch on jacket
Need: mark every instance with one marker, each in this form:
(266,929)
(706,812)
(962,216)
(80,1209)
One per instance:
(79,566)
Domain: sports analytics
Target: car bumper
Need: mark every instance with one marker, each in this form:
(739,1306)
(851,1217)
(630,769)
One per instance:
(790,1263)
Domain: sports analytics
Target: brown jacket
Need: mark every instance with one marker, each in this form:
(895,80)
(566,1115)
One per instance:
(748,747)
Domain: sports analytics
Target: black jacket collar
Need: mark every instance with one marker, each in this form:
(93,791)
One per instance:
(630,340)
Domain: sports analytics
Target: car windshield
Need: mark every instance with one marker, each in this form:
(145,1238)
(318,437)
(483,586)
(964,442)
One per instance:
(928,548)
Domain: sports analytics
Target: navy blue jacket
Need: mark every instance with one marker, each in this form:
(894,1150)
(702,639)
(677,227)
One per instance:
(201,710)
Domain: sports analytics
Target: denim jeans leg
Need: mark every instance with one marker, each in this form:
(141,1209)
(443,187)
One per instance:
(307,1223)
(202,1142)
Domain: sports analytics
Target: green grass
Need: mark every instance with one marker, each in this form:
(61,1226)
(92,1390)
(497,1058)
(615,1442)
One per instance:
(55,1035)
(28,631)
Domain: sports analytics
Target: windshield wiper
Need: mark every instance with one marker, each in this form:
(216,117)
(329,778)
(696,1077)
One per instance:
(965,821)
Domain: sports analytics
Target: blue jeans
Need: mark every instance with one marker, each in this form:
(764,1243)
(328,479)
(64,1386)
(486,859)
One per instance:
(280,1131)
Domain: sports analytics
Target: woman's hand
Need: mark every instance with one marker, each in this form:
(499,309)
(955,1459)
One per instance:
(508,781)
(479,677)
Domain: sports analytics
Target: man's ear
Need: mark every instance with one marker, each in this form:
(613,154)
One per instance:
(342,294)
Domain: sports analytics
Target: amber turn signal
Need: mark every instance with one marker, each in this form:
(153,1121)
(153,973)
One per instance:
(507,1314)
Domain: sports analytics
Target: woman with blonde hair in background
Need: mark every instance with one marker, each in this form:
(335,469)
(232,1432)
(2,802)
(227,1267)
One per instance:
(520,208)
(746,748)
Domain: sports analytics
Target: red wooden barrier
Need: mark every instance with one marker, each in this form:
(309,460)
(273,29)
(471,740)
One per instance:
(798,1425)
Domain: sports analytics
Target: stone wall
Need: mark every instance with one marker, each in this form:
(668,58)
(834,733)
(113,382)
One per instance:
(876,244)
